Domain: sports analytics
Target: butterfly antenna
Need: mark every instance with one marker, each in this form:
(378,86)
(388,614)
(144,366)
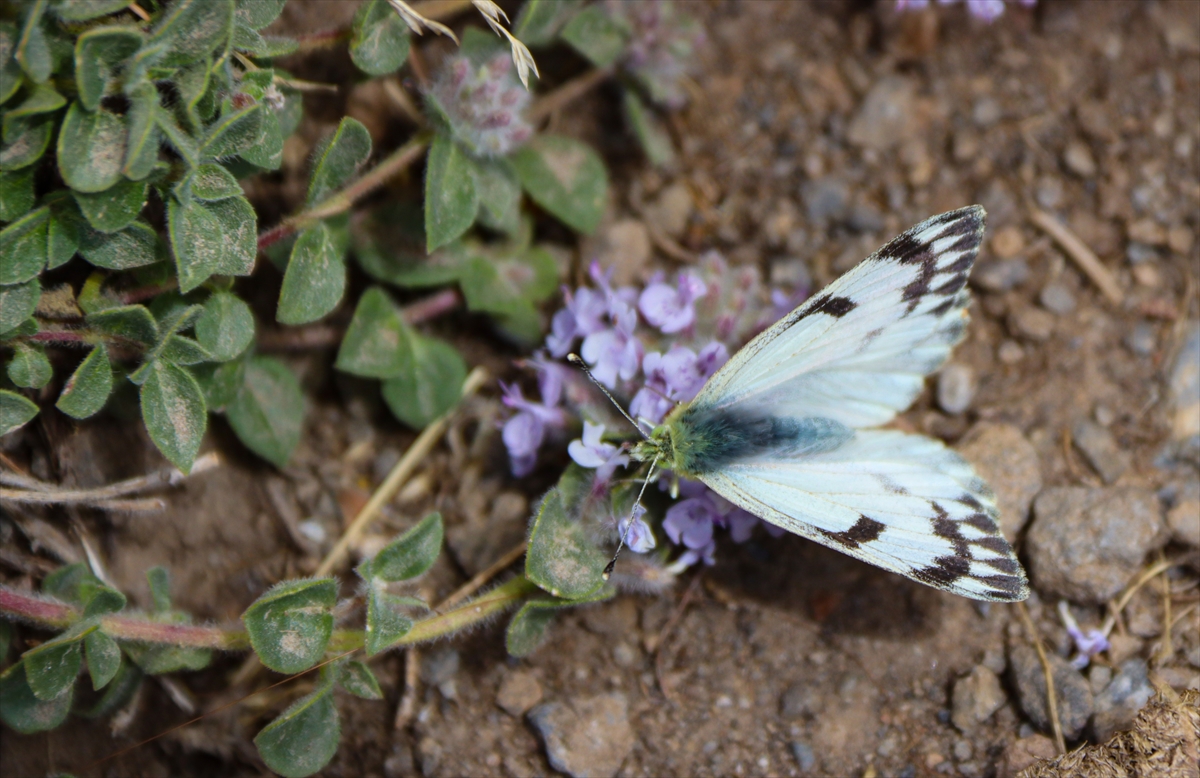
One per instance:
(632,516)
(578,362)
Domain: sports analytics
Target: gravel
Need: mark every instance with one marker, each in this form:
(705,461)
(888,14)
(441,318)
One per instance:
(1120,701)
(590,736)
(976,697)
(1057,297)
(1001,275)
(956,388)
(1009,463)
(886,117)
(1101,450)
(518,692)
(1075,702)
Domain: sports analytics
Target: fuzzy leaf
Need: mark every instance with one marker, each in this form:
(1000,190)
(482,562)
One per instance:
(66,582)
(651,134)
(528,627)
(91,148)
(314,280)
(411,554)
(566,177)
(99,54)
(133,323)
(451,193)
(65,231)
(16,193)
(22,710)
(239,225)
(358,679)
(15,412)
(180,350)
(115,208)
(10,69)
(233,133)
(429,383)
(141,150)
(213,182)
(89,386)
(338,159)
(386,621)
(202,243)
(51,668)
(414,269)
(23,247)
(380,39)
(33,49)
(304,737)
(26,142)
(291,623)
(540,20)
(103,658)
(499,195)
(86,10)
(159,581)
(174,412)
(100,599)
(373,344)
(226,327)
(117,693)
(17,303)
(563,559)
(160,659)
(257,14)
(594,34)
(29,368)
(267,413)
(193,28)
(267,150)
(134,246)
(509,285)
(42,98)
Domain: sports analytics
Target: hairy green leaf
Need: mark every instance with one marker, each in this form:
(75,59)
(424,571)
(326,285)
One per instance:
(540,20)
(226,327)
(51,667)
(499,195)
(86,10)
(65,232)
(103,658)
(29,368)
(338,159)
(141,151)
(17,303)
(429,384)
(595,35)
(193,28)
(315,278)
(159,581)
(451,193)
(267,413)
(15,412)
(566,177)
(25,142)
(22,710)
(386,620)
(33,49)
(528,627)
(379,41)
(233,133)
(291,623)
(358,679)
(213,182)
(115,208)
(133,323)
(304,737)
(133,246)
(89,386)
(174,412)
(652,136)
(16,193)
(239,225)
(373,343)
(99,55)
(563,559)
(181,350)
(23,247)
(257,14)
(10,69)
(41,99)
(409,555)
(91,148)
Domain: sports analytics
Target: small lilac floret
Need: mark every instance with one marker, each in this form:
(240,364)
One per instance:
(1087,644)
(523,433)
(987,10)
(615,352)
(583,315)
(637,533)
(672,309)
(690,522)
(591,451)
(694,555)
(676,376)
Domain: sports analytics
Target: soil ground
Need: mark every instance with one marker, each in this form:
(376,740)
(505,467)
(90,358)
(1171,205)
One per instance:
(784,649)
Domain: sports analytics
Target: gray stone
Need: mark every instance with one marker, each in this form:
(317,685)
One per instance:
(672,209)
(1142,339)
(1120,701)
(865,217)
(518,692)
(1100,448)
(590,736)
(1023,753)
(804,755)
(986,111)
(1184,522)
(800,699)
(1048,192)
(1184,385)
(1079,160)
(439,669)
(1075,702)
(1057,298)
(1086,544)
(825,199)
(885,117)
(1005,459)
(955,388)
(1031,323)
(975,698)
(1137,253)
(1001,275)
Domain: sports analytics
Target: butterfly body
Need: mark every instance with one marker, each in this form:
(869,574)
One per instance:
(788,428)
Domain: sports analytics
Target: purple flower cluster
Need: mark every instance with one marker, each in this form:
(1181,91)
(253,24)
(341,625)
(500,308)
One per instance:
(662,42)
(1087,643)
(483,104)
(659,344)
(987,10)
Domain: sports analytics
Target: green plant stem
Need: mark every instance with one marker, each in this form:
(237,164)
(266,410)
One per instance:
(469,613)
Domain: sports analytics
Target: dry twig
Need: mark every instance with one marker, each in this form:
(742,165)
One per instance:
(1051,696)
(1078,251)
(37,492)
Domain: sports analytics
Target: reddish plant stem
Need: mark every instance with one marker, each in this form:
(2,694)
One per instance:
(327,336)
(31,608)
(432,306)
(62,336)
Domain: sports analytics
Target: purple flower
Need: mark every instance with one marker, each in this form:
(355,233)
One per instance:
(690,522)
(614,352)
(582,316)
(1087,643)
(592,452)
(637,533)
(484,105)
(675,377)
(524,432)
(692,556)
(669,309)
(987,10)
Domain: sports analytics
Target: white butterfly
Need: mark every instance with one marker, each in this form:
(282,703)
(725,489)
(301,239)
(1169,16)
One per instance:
(785,428)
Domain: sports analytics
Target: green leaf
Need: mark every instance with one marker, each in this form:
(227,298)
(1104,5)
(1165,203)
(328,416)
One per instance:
(26,142)
(115,208)
(51,668)
(207,239)
(267,151)
(180,350)
(315,278)
(23,247)
(85,10)
(226,327)
(10,70)
(233,133)
(338,158)
(395,265)
(509,284)
(29,368)
(291,623)
(268,411)
(159,581)
(118,693)
(22,710)
(65,232)
(386,621)
(652,136)
(451,194)
(160,659)
(66,582)
(373,344)
(193,28)
(17,303)
(220,382)
(42,99)
(563,558)
(213,182)
(409,555)
(429,384)
(379,42)
(256,14)
(358,679)
(174,412)
(540,20)
(16,193)
(566,177)
(100,54)
(89,386)
(103,658)
(91,148)
(499,195)
(133,323)
(33,49)
(134,246)
(304,737)
(15,411)
(141,151)
(100,599)
(528,627)
(595,35)
(239,225)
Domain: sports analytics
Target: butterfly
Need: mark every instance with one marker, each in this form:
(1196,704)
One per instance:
(788,428)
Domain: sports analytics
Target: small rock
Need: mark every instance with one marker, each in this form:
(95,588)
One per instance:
(866,218)
(1120,701)
(1104,415)
(1056,297)
(955,388)
(1002,275)
(1101,450)
(963,750)
(429,755)
(804,756)
(617,617)
(1142,339)
(625,655)
(1008,242)
(1085,544)
(986,111)
(439,669)
(1010,352)
(976,697)
(885,117)
(800,699)
(825,199)
(625,246)
(1099,677)
(1032,323)
(1137,253)
(519,691)
(1023,753)
(1147,231)
(1180,239)
(1048,192)
(1075,701)
(1079,160)
(1184,385)
(672,209)
(590,736)
(1147,274)
(1184,522)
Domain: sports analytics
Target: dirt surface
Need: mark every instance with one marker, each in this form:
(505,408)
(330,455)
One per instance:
(815,132)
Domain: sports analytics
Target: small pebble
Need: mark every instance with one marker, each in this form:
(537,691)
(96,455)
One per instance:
(588,736)
(672,209)
(1121,699)
(1056,297)
(1032,323)
(1142,339)
(825,199)
(1010,352)
(519,691)
(1008,242)
(1184,521)
(1048,192)
(624,655)
(1075,701)
(1147,231)
(1180,239)
(955,388)
(975,698)
(865,218)
(986,111)
(1104,415)
(1001,275)
(1101,450)
(1138,253)
(804,756)
(1147,274)
(963,750)
(1099,677)
(1079,160)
